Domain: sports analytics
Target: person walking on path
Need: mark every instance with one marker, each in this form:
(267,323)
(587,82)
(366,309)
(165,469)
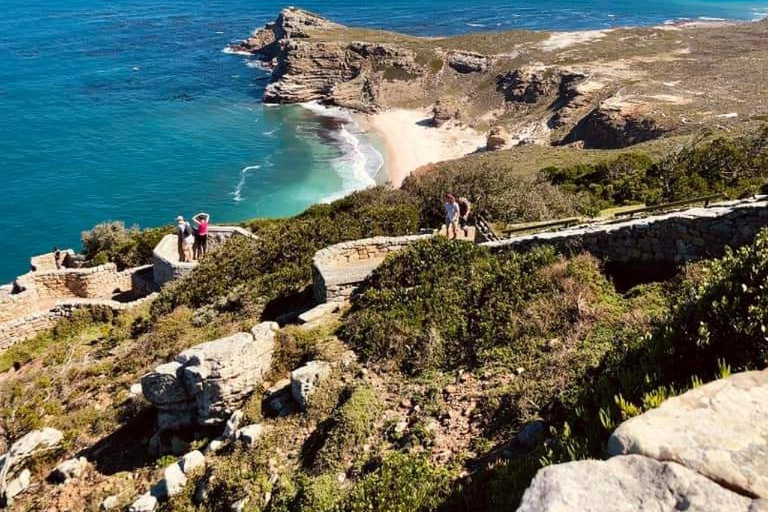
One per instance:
(201,236)
(465,207)
(185,238)
(451,216)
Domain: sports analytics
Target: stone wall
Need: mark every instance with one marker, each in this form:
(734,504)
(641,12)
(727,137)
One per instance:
(15,305)
(674,237)
(101,281)
(165,257)
(338,269)
(24,327)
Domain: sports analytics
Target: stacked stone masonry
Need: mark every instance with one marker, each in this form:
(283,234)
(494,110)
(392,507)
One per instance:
(165,257)
(338,269)
(39,298)
(677,237)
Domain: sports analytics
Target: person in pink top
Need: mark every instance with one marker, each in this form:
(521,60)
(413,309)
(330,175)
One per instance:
(201,220)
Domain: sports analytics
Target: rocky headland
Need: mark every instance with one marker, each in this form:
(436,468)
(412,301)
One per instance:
(594,89)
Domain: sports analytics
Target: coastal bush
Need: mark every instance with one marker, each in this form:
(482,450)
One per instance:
(126,247)
(496,192)
(734,166)
(350,425)
(401,482)
(278,264)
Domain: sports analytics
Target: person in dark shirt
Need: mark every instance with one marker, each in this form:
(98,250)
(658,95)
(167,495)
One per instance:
(465,207)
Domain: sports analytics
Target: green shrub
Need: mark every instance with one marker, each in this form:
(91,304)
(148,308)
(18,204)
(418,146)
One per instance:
(496,192)
(402,482)
(278,264)
(126,247)
(734,166)
(350,426)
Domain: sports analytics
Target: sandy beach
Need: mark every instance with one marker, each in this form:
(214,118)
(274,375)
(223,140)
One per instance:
(412,142)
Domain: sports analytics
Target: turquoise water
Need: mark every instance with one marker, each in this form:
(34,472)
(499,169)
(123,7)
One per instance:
(128,109)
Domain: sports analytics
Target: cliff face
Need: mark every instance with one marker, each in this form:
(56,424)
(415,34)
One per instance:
(599,89)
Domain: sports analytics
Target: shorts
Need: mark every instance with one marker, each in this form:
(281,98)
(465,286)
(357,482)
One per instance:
(463,223)
(188,241)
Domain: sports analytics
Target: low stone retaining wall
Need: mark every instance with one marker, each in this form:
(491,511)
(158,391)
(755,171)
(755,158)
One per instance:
(338,269)
(165,256)
(25,327)
(675,237)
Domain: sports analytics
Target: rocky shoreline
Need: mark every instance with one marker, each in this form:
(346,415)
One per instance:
(597,89)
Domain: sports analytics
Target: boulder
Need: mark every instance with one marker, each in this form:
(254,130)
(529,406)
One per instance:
(445,110)
(110,503)
(531,434)
(144,503)
(18,485)
(239,505)
(497,138)
(191,461)
(69,469)
(250,434)
(173,483)
(304,380)
(318,312)
(468,62)
(208,381)
(719,430)
(628,483)
(278,400)
(233,423)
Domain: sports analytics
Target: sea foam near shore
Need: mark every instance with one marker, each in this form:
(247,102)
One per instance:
(360,162)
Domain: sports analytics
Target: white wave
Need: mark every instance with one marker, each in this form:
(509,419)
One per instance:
(269,133)
(705,18)
(759,15)
(475,24)
(236,194)
(230,51)
(319,109)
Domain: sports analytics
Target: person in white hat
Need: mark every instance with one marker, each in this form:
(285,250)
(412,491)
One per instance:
(185,239)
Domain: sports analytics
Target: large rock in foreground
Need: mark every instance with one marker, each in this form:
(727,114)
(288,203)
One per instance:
(628,483)
(206,383)
(719,430)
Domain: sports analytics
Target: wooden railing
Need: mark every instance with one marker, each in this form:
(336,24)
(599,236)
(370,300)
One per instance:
(546,224)
(703,199)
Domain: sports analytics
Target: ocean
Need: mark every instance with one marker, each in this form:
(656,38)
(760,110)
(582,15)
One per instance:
(130,110)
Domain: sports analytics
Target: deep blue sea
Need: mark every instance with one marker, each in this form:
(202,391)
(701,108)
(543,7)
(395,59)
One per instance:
(129,110)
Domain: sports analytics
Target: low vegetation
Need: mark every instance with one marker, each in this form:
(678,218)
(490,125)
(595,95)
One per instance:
(447,335)
(126,247)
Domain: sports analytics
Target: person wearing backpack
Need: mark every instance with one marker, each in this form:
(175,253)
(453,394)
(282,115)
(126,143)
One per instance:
(185,238)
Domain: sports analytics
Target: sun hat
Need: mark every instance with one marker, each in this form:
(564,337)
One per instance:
(179,219)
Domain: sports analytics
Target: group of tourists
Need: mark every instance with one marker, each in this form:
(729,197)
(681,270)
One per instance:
(456,215)
(192,240)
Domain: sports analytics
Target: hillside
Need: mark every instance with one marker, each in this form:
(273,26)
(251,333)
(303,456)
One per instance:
(457,376)
(600,89)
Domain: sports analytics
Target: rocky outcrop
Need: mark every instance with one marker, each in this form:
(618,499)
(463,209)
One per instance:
(306,68)
(468,62)
(615,127)
(305,380)
(706,449)
(291,23)
(207,382)
(719,430)
(498,138)
(12,462)
(526,85)
(445,110)
(628,483)
(69,470)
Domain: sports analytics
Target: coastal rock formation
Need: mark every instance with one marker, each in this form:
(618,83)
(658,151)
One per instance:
(445,110)
(608,127)
(206,382)
(308,68)
(719,430)
(627,483)
(706,449)
(498,138)
(468,62)
(291,23)
(526,85)
(305,380)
